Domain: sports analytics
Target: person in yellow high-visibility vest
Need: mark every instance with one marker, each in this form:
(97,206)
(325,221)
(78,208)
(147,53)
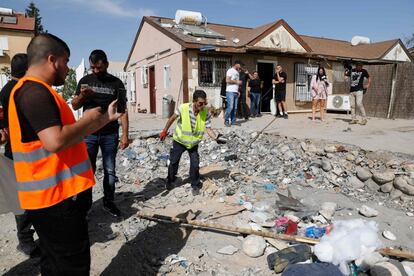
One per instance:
(193,120)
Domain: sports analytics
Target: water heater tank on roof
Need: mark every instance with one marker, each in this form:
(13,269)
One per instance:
(357,40)
(188,17)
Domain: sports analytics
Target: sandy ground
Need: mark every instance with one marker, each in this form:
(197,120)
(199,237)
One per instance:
(113,254)
(378,134)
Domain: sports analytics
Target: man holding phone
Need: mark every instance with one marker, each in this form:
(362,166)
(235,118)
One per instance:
(99,89)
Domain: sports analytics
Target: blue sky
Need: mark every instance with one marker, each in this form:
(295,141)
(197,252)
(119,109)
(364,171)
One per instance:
(112,24)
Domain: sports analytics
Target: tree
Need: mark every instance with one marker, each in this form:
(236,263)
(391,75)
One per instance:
(6,71)
(34,12)
(409,42)
(69,88)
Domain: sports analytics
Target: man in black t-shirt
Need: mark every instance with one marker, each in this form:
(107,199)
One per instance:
(244,76)
(99,89)
(279,81)
(358,89)
(23,223)
(255,85)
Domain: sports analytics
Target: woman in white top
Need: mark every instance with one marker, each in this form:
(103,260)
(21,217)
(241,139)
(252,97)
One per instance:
(319,85)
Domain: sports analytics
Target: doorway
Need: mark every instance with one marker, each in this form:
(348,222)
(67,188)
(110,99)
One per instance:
(152,90)
(265,71)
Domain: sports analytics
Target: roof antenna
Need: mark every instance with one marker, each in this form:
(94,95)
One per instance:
(205,21)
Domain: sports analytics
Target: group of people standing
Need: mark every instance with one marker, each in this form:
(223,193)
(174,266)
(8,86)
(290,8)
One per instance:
(238,79)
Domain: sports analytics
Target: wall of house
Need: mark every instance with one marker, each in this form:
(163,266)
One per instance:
(17,43)
(153,48)
(281,39)
(333,70)
(397,53)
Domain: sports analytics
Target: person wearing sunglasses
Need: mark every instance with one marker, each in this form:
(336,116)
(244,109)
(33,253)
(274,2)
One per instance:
(194,120)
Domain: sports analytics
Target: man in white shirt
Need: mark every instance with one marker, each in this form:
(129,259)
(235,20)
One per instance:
(232,93)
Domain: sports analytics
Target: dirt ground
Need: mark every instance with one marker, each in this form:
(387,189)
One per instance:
(115,253)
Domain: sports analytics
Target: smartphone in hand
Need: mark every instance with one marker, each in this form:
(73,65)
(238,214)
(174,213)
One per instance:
(121,103)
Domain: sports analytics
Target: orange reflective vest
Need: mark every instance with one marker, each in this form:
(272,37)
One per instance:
(45,178)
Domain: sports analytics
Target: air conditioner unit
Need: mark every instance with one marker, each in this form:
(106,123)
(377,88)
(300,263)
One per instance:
(338,102)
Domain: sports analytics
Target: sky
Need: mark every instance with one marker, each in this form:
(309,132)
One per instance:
(111,25)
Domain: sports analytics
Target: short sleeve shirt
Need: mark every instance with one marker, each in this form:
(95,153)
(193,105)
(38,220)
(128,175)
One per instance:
(106,90)
(233,74)
(193,117)
(357,79)
(281,87)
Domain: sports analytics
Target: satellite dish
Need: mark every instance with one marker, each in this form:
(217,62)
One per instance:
(337,101)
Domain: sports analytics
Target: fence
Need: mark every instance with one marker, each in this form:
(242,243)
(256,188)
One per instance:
(391,94)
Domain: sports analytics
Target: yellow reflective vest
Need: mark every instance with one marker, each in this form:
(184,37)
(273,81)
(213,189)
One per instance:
(183,132)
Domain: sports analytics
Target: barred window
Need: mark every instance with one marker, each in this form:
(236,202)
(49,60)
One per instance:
(212,70)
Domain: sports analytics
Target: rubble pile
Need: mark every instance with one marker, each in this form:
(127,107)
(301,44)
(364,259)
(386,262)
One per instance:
(257,177)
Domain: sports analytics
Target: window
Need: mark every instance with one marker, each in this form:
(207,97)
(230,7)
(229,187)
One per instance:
(167,76)
(144,76)
(303,77)
(212,70)
(4,43)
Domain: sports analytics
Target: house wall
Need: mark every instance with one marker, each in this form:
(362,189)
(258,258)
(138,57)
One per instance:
(17,43)
(281,39)
(397,53)
(251,60)
(151,50)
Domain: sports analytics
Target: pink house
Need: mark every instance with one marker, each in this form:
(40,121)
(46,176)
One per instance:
(175,58)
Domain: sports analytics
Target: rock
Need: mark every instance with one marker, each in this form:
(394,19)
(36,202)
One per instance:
(368,211)
(363,174)
(372,186)
(354,182)
(401,184)
(407,198)
(330,148)
(383,177)
(408,266)
(387,188)
(254,246)
(328,209)
(389,236)
(228,250)
(350,157)
(326,165)
(395,194)
(409,214)
(391,268)
(408,167)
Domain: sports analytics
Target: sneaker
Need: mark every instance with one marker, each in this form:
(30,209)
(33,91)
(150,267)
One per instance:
(110,207)
(285,116)
(278,115)
(353,122)
(30,249)
(363,122)
(227,124)
(169,186)
(195,190)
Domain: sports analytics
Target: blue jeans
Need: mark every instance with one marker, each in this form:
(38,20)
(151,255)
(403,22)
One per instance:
(255,103)
(108,143)
(230,115)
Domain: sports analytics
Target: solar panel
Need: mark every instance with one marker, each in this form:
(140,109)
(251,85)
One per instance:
(9,20)
(199,31)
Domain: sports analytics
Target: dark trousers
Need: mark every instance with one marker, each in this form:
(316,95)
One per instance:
(244,113)
(63,236)
(108,143)
(175,156)
(24,229)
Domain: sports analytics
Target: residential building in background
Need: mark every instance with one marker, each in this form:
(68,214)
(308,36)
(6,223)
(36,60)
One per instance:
(16,31)
(178,56)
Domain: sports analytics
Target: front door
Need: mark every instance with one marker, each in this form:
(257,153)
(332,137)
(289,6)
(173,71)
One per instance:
(266,73)
(152,90)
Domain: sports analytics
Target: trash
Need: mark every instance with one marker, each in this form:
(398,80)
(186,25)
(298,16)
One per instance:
(292,228)
(254,246)
(348,241)
(315,232)
(409,214)
(280,260)
(228,250)
(270,187)
(389,235)
(319,269)
(368,211)
(369,260)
